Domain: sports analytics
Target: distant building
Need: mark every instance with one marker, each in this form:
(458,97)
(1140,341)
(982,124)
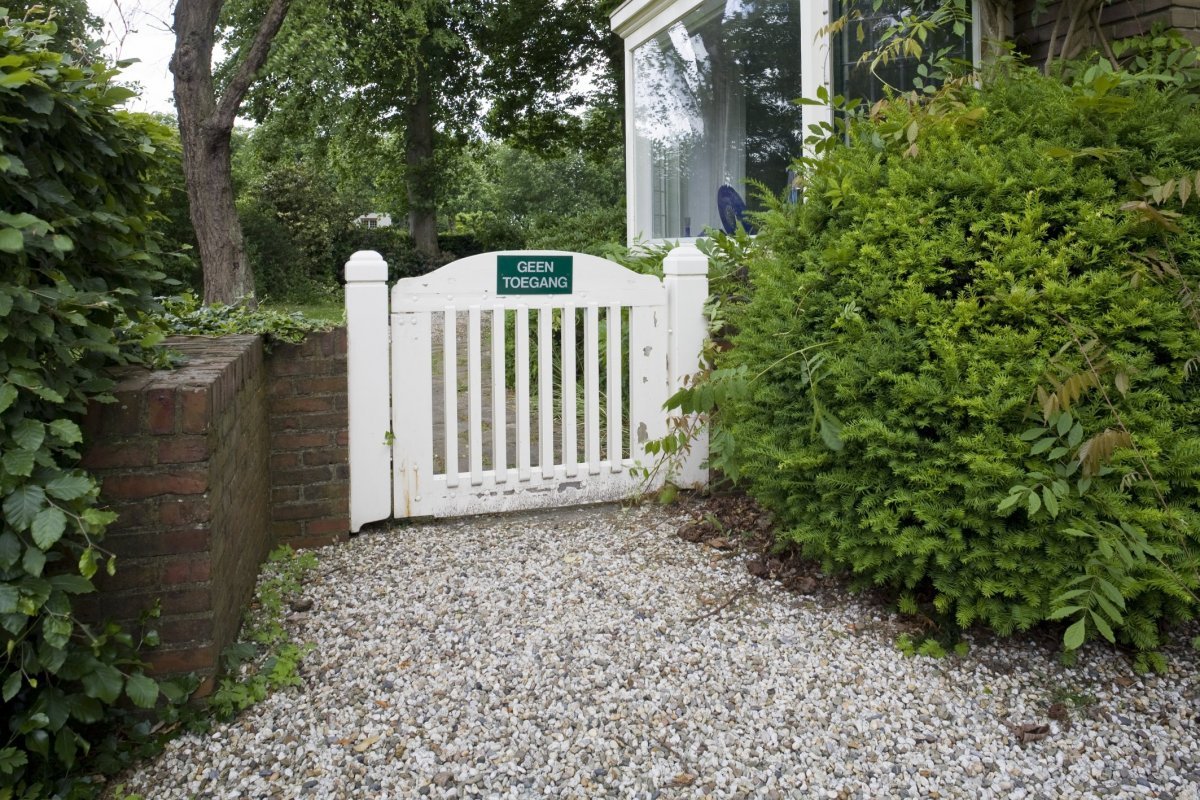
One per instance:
(374,220)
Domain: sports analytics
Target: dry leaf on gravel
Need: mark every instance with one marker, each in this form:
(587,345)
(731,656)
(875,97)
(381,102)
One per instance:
(684,779)
(1030,732)
(366,744)
(719,543)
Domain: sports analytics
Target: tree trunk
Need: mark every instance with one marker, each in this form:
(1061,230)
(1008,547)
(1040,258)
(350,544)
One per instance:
(205,125)
(421,174)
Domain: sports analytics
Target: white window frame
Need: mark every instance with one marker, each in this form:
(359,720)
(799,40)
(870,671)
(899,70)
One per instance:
(638,21)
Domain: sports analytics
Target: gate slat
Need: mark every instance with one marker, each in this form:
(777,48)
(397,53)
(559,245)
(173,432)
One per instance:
(450,385)
(499,399)
(546,391)
(522,347)
(475,394)
(591,389)
(570,426)
(614,388)
(647,372)
(412,411)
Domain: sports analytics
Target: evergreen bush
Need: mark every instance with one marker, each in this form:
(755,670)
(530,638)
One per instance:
(972,355)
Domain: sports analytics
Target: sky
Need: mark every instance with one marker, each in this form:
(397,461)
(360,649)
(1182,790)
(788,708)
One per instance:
(141,29)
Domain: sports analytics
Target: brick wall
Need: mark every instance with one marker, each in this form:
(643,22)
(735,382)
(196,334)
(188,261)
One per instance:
(209,466)
(310,474)
(1119,20)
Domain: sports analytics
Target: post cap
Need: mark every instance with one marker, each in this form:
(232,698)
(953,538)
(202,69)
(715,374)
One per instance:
(686,259)
(366,266)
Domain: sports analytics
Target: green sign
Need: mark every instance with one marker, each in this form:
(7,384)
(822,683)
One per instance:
(534,274)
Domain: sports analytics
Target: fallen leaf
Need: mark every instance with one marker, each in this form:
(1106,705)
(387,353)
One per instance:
(366,744)
(684,779)
(1124,681)
(302,605)
(571,558)
(1058,712)
(757,568)
(719,543)
(383,704)
(696,530)
(1031,732)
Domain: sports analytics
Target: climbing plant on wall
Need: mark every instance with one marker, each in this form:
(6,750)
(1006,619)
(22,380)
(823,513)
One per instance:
(78,253)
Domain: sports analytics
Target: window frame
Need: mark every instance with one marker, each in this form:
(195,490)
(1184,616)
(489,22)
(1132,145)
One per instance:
(638,21)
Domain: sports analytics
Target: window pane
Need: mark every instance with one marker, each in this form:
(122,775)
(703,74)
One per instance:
(713,108)
(855,80)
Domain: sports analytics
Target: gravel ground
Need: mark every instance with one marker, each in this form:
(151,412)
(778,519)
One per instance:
(590,653)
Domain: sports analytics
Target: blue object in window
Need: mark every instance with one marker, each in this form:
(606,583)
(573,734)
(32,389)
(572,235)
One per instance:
(732,209)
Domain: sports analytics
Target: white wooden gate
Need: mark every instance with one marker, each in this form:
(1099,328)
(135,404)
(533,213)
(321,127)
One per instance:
(436,431)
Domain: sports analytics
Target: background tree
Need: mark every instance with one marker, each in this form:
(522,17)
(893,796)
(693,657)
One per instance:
(437,74)
(205,126)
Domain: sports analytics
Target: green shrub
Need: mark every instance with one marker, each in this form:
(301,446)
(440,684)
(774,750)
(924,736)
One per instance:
(78,253)
(972,356)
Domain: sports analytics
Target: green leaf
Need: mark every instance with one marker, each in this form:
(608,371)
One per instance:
(9,597)
(48,527)
(1057,453)
(34,561)
(8,395)
(23,505)
(1035,503)
(1009,502)
(1074,635)
(142,690)
(12,685)
(66,431)
(1050,501)
(1033,433)
(11,241)
(1064,423)
(10,549)
(64,747)
(1101,625)
(1041,446)
(1075,436)
(11,760)
(1112,592)
(69,487)
(87,563)
(29,434)
(103,682)
(19,462)
(71,584)
(1065,611)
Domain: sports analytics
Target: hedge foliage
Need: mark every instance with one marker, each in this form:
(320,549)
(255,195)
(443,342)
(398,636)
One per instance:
(78,254)
(971,355)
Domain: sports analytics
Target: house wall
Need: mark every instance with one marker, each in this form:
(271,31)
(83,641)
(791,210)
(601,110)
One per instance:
(194,461)
(1118,21)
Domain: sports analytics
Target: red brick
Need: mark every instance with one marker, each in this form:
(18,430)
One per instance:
(301,441)
(338,525)
(131,574)
(293,477)
(187,601)
(284,494)
(333,384)
(332,421)
(154,484)
(284,531)
(122,418)
(303,405)
(173,662)
(282,387)
(343,437)
(160,411)
(142,513)
(186,570)
(195,540)
(326,455)
(179,630)
(196,410)
(178,512)
(327,491)
(301,511)
(183,450)
(284,461)
(103,455)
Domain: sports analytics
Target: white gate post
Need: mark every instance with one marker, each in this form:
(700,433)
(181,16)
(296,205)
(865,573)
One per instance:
(368,363)
(685,275)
